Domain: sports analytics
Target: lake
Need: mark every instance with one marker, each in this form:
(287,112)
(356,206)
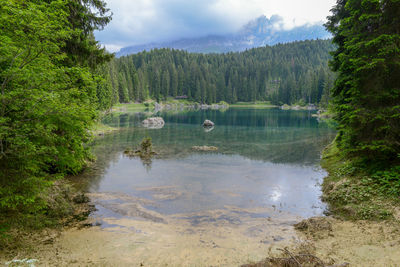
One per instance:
(225,205)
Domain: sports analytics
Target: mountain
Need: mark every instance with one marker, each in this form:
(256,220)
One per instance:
(259,32)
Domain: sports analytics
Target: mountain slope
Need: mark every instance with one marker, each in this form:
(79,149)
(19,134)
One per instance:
(259,32)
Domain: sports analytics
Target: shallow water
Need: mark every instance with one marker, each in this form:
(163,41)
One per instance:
(264,177)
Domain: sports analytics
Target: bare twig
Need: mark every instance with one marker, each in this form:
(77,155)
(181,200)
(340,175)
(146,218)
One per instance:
(291,255)
(313,256)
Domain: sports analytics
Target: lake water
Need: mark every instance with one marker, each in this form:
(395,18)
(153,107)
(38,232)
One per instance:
(263,178)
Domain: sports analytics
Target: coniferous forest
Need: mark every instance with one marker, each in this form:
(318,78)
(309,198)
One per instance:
(366,96)
(283,74)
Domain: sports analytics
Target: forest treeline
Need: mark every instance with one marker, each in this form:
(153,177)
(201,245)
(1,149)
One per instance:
(283,74)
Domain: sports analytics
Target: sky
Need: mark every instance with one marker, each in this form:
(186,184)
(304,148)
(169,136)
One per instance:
(144,21)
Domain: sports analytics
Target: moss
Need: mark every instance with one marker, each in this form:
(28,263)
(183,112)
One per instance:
(352,193)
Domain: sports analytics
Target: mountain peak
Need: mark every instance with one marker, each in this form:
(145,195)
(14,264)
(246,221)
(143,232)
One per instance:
(258,32)
(259,25)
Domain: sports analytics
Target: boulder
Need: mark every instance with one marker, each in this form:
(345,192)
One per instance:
(208,123)
(157,107)
(297,107)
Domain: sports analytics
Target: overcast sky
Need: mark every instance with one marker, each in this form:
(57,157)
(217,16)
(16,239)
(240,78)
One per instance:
(143,21)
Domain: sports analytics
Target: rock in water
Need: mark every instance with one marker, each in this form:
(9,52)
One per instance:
(205,148)
(208,129)
(154,122)
(208,123)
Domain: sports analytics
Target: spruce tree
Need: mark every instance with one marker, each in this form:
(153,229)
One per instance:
(366,94)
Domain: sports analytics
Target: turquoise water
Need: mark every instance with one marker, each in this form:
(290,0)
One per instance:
(265,158)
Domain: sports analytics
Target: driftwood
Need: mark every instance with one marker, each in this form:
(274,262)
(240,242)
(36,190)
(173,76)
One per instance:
(294,260)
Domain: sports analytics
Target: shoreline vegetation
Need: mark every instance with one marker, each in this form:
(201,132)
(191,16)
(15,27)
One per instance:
(354,194)
(100,129)
(186,104)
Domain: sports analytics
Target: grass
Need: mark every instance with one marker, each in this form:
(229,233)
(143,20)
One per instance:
(257,104)
(99,129)
(353,194)
(171,100)
(130,107)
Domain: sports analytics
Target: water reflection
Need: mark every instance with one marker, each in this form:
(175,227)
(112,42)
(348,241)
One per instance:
(265,158)
(146,160)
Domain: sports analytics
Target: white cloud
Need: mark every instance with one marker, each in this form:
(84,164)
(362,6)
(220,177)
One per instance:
(143,21)
(112,47)
(296,13)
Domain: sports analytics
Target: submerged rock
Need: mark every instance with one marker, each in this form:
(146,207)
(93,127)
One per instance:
(205,148)
(208,129)
(154,122)
(208,123)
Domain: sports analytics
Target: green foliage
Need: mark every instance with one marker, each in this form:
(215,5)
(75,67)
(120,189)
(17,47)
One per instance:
(146,146)
(389,181)
(48,101)
(84,17)
(223,103)
(353,193)
(366,95)
(285,73)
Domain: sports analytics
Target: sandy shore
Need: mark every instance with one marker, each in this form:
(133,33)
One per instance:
(223,237)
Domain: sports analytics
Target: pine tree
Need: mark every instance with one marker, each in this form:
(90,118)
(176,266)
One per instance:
(366,95)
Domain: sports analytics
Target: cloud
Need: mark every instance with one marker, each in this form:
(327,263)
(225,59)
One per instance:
(144,21)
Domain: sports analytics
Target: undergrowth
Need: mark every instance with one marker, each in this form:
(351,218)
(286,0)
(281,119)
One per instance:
(18,226)
(354,192)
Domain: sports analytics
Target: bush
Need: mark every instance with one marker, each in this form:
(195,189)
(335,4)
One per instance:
(389,181)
